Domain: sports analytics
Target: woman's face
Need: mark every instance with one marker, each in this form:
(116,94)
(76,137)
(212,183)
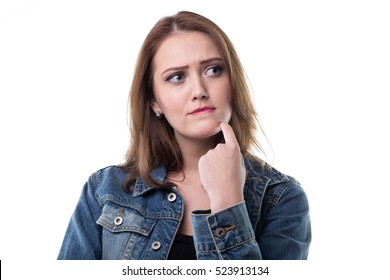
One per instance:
(191,85)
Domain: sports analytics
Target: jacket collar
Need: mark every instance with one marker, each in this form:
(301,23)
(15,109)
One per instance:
(258,179)
(265,176)
(159,174)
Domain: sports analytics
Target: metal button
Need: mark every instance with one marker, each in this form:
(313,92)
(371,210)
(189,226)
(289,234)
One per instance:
(220,232)
(118,221)
(156,245)
(171,197)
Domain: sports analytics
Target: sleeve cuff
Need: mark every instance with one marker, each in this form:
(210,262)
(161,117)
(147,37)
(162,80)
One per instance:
(223,230)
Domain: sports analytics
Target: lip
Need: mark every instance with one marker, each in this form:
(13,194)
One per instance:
(202,109)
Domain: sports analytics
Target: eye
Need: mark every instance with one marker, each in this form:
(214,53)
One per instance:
(214,70)
(177,78)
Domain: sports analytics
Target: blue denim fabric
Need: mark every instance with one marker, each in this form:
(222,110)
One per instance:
(108,223)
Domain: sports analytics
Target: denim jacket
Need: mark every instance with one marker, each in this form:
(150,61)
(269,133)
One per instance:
(108,223)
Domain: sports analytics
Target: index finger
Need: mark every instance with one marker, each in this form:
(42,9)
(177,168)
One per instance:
(228,133)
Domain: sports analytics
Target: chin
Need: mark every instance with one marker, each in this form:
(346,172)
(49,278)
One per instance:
(207,130)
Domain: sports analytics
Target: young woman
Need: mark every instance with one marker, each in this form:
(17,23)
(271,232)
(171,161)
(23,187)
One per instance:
(190,187)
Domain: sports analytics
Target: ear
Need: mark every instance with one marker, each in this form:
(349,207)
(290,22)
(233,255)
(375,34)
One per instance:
(155,107)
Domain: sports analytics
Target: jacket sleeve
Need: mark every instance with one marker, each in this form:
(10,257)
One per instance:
(82,239)
(285,230)
(227,234)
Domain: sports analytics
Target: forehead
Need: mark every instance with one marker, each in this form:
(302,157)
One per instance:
(183,48)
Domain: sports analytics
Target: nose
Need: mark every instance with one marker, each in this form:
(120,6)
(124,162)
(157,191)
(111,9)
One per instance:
(198,89)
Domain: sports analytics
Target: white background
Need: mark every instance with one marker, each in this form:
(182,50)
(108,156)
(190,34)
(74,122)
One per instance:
(320,72)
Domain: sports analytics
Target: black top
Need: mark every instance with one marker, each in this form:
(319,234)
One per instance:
(182,248)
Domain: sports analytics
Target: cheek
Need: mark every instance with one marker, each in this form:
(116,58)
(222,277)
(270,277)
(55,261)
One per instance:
(170,101)
(229,102)
(228,95)
(172,108)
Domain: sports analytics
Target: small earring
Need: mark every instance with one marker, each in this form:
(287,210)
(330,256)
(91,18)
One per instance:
(158,114)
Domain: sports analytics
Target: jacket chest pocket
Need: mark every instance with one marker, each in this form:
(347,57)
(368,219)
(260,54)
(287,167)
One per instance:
(125,231)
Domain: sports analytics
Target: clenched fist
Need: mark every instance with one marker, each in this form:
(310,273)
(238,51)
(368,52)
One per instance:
(222,172)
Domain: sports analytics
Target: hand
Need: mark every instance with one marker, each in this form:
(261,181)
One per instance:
(222,172)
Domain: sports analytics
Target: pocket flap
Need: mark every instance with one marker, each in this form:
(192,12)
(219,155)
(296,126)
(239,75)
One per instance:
(117,218)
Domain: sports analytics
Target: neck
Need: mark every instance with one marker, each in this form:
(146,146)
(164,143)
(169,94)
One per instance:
(193,149)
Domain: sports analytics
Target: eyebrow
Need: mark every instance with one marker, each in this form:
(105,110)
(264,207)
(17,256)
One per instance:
(176,68)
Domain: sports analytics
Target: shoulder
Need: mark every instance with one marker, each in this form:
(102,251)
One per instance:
(274,184)
(109,183)
(275,194)
(112,173)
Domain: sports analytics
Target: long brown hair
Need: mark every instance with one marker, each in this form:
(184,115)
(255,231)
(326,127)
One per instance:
(152,139)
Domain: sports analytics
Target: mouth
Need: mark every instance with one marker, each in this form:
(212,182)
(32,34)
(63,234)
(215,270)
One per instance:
(202,109)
